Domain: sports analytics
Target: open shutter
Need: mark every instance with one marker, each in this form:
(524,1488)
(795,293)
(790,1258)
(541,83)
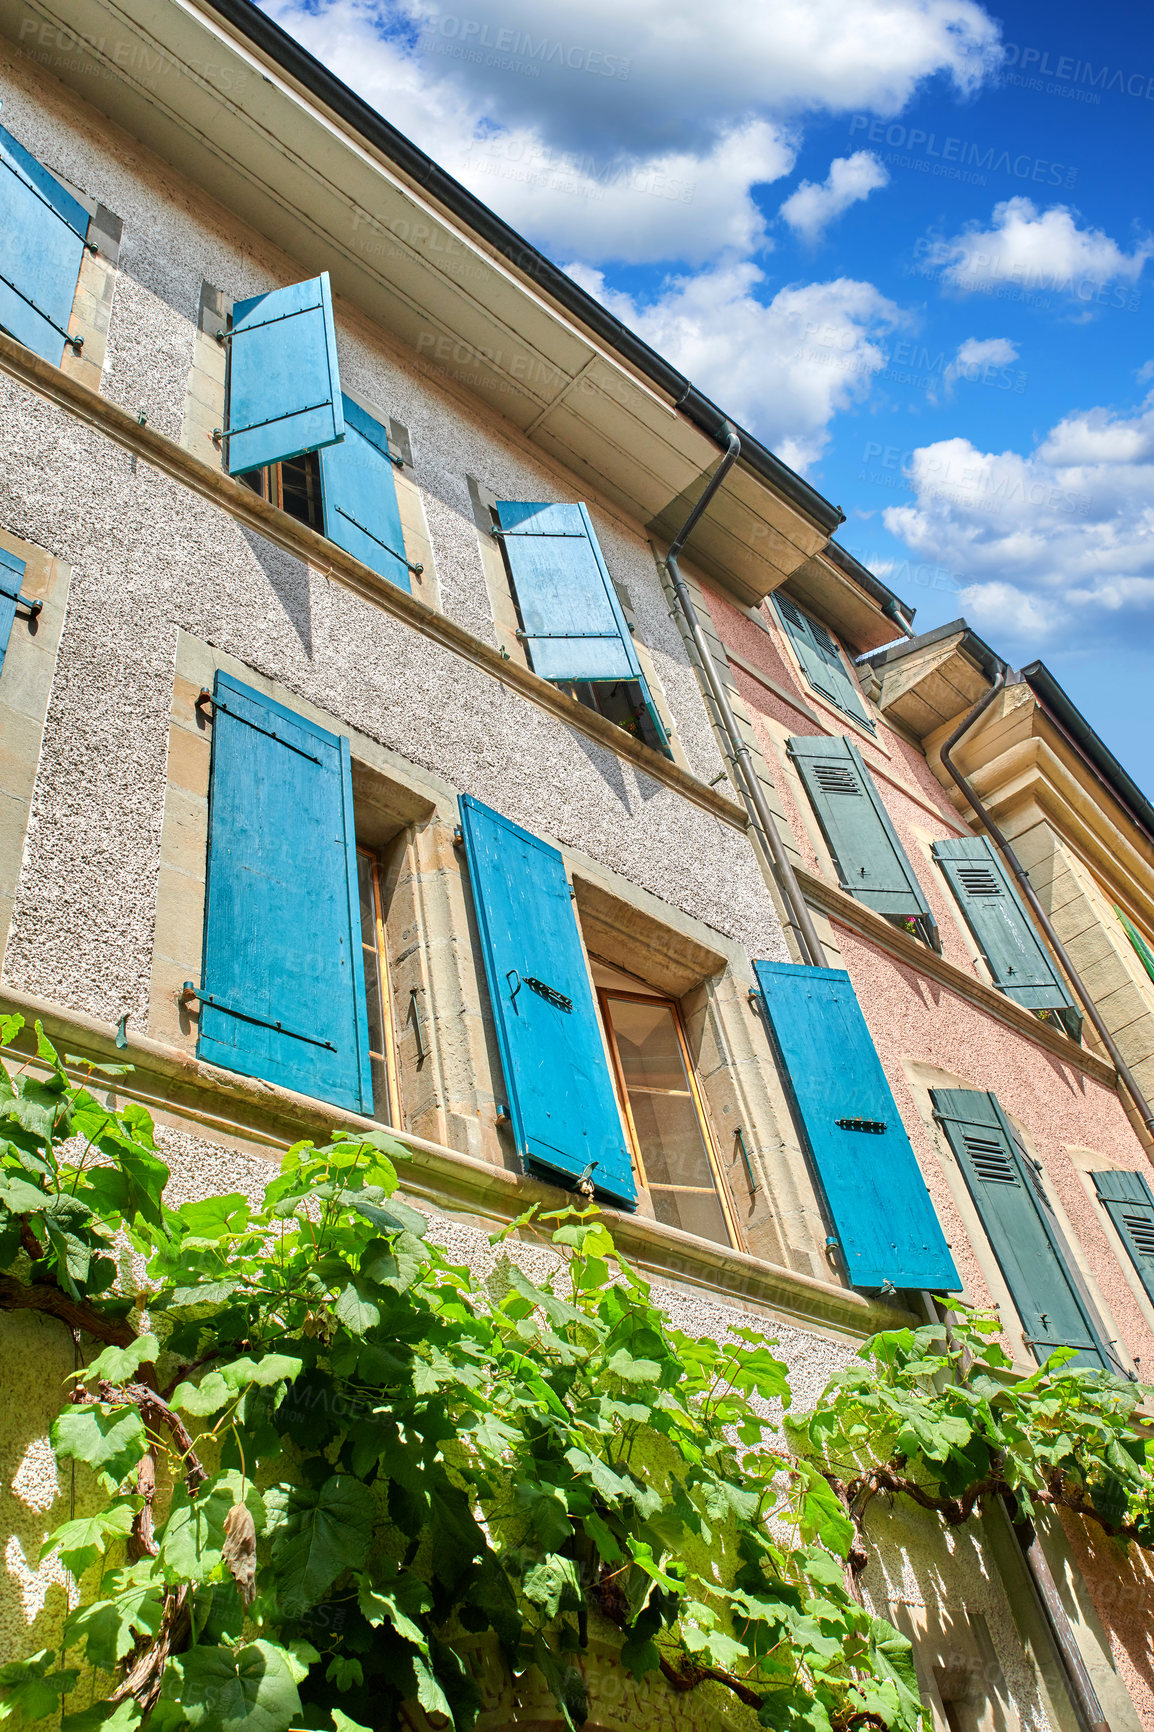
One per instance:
(573,625)
(848,1120)
(284,392)
(1129,1202)
(284,991)
(44,230)
(822,661)
(997,917)
(871,862)
(11,575)
(1021,1228)
(562,1102)
(360,496)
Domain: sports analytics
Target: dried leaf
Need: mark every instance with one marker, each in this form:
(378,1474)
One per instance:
(239,1551)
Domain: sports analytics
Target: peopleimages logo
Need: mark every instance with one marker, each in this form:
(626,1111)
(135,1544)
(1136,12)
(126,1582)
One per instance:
(448,34)
(958,156)
(1036,62)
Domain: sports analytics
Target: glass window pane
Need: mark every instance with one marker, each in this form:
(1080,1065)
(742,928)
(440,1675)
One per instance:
(694,1212)
(648,1044)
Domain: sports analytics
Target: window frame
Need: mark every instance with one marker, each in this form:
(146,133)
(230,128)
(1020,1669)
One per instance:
(388,1058)
(720,1187)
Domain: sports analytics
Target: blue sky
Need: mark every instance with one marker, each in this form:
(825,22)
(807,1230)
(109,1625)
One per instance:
(909,243)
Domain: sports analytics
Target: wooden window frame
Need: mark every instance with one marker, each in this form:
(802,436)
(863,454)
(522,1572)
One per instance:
(380,961)
(720,1187)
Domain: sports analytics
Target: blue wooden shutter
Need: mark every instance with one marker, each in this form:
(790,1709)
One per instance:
(822,662)
(872,864)
(44,230)
(849,1124)
(574,627)
(562,1102)
(1129,1202)
(284,391)
(284,989)
(11,575)
(360,496)
(1020,965)
(1022,1229)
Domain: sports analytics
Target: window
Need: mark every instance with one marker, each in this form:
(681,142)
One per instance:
(45,233)
(1021,967)
(294,437)
(672,1148)
(11,576)
(848,1122)
(822,661)
(570,618)
(872,865)
(378,997)
(1024,1233)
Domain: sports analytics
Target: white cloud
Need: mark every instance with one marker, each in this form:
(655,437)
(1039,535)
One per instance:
(811,209)
(1038,250)
(980,357)
(1057,541)
(784,367)
(634,129)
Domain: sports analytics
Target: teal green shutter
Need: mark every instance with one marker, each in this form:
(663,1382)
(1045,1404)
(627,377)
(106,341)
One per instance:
(1129,1202)
(822,662)
(573,627)
(284,391)
(872,864)
(1023,1232)
(562,1103)
(996,915)
(11,575)
(850,1127)
(1141,948)
(44,230)
(360,496)
(283,994)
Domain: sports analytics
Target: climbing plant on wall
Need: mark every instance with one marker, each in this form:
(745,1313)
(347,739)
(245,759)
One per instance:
(331,1472)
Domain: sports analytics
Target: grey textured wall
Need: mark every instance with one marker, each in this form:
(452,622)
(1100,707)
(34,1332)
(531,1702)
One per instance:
(148,558)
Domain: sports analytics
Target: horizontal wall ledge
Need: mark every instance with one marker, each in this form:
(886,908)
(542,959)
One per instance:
(847,911)
(258,1117)
(324,556)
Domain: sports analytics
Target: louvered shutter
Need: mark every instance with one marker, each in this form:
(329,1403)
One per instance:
(1129,1202)
(562,1103)
(283,991)
(360,496)
(821,661)
(44,230)
(849,1124)
(997,917)
(284,392)
(871,862)
(11,576)
(573,626)
(1022,1230)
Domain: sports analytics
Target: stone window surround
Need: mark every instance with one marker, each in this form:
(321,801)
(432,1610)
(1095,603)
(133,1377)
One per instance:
(452,1096)
(205,411)
(25,692)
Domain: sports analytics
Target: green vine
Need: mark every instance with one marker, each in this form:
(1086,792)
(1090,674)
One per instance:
(334,1474)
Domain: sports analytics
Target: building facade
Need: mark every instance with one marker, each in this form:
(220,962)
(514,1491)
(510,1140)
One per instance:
(359,765)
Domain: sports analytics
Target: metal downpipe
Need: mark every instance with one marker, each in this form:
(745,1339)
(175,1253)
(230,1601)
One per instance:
(754,799)
(1125,1075)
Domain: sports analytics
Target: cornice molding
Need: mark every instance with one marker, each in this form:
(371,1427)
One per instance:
(324,556)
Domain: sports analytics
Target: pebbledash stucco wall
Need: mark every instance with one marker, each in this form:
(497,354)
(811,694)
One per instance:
(148,559)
